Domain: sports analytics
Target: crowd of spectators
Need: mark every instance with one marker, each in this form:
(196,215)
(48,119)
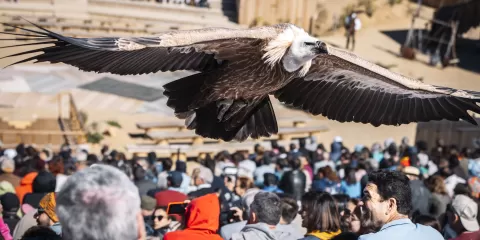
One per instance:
(387,191)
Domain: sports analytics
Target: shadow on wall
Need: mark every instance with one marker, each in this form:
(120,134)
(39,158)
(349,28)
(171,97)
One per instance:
(468,50)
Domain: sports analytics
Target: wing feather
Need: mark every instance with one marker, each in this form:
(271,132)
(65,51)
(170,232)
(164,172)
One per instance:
(196,50)
(351,89)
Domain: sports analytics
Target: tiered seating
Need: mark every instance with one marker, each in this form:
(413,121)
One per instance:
(170,136)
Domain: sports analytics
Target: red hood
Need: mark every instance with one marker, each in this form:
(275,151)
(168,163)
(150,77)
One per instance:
(203,213)
(28,179)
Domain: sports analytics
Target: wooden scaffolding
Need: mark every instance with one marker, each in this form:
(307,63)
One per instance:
(417,40)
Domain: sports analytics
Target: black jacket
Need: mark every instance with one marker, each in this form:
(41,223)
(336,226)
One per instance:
(293,183)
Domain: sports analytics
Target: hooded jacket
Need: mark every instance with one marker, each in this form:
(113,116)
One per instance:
(258,231)
(287,232)
(25,186)
(202,220)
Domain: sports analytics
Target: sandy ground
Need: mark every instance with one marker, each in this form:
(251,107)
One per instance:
(372,45)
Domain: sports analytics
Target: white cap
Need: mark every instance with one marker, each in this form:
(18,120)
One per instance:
(467,210)
(338,139)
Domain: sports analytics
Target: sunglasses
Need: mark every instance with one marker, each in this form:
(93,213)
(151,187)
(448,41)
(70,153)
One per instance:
(159,218)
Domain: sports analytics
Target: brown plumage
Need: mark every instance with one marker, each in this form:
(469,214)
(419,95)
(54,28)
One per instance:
(239,68)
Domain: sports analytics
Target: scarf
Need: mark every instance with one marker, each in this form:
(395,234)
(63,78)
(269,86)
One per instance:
(324,235)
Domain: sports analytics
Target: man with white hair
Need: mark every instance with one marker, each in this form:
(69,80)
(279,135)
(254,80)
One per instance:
(100,203)
(202,179)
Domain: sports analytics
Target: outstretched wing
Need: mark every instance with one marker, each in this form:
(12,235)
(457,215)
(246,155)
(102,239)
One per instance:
(346,88)
(197,50)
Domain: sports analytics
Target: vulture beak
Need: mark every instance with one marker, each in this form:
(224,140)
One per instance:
(321,47)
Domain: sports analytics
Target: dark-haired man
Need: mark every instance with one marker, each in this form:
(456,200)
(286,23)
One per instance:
(265,214)
(389,198)
(285,229)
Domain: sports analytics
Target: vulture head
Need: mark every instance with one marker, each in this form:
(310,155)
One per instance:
(295,49)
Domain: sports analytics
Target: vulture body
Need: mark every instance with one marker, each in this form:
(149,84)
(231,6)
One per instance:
(238,69)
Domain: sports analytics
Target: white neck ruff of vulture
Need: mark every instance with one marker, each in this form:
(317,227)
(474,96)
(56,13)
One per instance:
(278,47)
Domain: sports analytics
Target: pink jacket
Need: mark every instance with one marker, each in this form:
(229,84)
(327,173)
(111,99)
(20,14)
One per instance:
(4,230)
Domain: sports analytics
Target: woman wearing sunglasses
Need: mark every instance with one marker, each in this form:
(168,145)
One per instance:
(161,222)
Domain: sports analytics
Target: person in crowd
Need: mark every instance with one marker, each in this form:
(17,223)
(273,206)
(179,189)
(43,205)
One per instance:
(342,201)
(6,187)
(200,223)
(181,167)
(428,220)
(243,213)
(40,233)
(336,148)
(307,170)
(246,167)
(270,183)
(173,193)
(10,205)
(81,160)
(100,190)
(327,181)
(162,177)
(26,222)
(8,167)
(258,153)
(323,163)
(361,221)
(25,185)
(352,25)
(265,167)
(242,185)
(462,218)
(450,178)
(282,166)
(320,216)
(285,229)
(294,182)
(302,149)
(223,160)
(147,205)
(44,183)
(46,215)
(440,198)
(345,163)
(202,179)
(389,198)
(265,214)
(57,168)
(161,223)
(350,185)
(140,180)
(421,196)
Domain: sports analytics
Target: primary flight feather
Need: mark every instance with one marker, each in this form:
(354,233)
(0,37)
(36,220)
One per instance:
(239,68)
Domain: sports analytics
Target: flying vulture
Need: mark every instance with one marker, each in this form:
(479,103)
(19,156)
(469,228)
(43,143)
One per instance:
(237,70)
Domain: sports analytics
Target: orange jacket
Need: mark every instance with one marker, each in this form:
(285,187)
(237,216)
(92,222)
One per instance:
(202,215)
(25,185)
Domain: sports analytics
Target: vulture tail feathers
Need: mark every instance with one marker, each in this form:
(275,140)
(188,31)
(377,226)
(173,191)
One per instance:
(223,119)
(255,119)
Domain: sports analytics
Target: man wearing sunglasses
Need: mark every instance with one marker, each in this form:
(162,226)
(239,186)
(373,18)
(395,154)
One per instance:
(46,215)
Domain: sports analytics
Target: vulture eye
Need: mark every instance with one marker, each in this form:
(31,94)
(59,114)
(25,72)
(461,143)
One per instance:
(309,44)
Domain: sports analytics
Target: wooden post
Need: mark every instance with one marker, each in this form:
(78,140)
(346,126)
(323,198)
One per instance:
(451,43)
